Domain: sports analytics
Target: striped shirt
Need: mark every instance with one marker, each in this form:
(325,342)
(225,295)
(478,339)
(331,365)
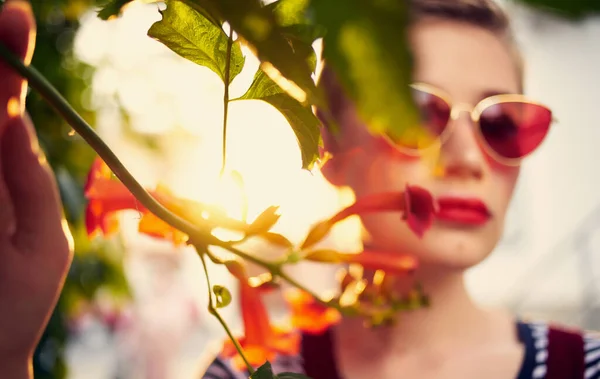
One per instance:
(550,353)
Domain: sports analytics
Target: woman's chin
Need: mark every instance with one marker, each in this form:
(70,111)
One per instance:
(442,246)
(450,261)
(456,251)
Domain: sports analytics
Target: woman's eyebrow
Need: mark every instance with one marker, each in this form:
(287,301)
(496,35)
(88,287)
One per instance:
(495,92)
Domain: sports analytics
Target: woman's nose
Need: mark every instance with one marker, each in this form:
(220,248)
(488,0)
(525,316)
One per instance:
(461,155)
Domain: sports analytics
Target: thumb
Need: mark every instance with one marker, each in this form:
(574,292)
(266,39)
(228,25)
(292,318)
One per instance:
(17,33)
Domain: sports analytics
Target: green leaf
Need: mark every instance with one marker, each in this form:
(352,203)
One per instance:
(301,45)
(291,375)
(574,9)
(303,32)
(222,295)
(264,372)
(111,8)
(294,14)
(258,27)
(191,35)
(297,28)
(301,118)
(205,8)
(366,45)
(290,12)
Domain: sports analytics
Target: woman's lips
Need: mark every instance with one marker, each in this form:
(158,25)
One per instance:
(466,211)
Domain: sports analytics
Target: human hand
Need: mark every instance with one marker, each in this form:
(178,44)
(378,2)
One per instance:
(35,247)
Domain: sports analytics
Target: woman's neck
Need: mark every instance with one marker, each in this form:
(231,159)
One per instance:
(452,321)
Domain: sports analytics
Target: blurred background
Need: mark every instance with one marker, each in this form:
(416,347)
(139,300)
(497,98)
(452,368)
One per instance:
(134,307)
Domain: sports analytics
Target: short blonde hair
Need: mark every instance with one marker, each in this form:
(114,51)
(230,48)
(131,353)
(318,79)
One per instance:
(486,14)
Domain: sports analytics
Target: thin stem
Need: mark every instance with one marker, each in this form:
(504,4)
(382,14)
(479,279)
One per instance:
(38,82)
(226,98)
(213,311)
(250,258)
(275,270)
(300,286)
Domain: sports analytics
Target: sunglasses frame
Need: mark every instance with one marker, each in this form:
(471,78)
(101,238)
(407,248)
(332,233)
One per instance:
(475,114)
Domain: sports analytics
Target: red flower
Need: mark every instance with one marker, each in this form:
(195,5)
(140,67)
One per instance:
(419,209)
(261,341)
(389,262)
(106,197)
(308,314)
(415,203)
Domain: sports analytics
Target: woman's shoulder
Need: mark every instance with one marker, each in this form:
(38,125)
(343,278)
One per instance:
(557,351)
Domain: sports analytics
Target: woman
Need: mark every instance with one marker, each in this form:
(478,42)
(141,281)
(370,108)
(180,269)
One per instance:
(463,54)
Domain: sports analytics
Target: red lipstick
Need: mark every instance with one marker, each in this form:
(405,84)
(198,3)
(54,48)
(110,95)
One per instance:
(466,211)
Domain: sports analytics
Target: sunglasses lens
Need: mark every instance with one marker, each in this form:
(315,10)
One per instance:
(515,129)
(434,113)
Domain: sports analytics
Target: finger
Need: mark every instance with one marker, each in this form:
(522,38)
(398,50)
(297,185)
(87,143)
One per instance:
(7,220)
(17,33)
(32,189)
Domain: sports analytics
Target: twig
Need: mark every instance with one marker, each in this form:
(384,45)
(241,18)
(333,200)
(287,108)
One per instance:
(213,311)
(226,98)
(276,271)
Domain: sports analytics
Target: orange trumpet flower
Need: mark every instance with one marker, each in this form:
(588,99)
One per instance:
(262,341)
(307,314)
(106,197)
(416,205)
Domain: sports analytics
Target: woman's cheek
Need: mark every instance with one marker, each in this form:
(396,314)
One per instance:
(506,179)
(387,148)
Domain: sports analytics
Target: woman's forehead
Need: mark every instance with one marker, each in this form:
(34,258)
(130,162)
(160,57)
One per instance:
(466,60)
